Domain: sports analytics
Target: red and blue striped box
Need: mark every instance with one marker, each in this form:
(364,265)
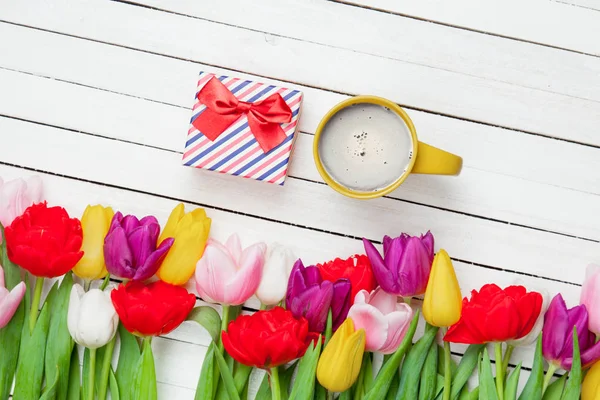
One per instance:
(236,151)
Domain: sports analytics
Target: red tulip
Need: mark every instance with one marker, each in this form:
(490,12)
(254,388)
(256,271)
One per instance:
(357,269)
(267,339)
(496,315)
(153,309)
(45,241)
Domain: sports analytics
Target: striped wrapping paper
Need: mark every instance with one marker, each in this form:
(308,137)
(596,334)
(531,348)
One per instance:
(236,151)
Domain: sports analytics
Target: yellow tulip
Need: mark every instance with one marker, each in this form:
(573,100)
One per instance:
(95,223)
(341,360)
(190,232)
(443,301)
(590,389)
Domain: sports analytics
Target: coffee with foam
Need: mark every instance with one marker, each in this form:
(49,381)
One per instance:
(366,147)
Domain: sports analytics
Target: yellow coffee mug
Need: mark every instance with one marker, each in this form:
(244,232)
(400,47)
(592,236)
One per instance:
(366,146)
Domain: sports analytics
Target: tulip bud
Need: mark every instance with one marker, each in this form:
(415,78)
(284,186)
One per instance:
(9,300)
(190,232)
(341,360)
(276,272)
(16,195)
(590,389)
(443,301)
(95,223)
(590,296)
(91,319)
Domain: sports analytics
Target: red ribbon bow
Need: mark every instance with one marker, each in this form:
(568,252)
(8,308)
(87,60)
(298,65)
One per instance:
(223,109)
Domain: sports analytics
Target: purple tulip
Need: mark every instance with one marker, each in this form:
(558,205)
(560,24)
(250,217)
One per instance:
(406,263)
(309,296)
(130,250)
(557,335)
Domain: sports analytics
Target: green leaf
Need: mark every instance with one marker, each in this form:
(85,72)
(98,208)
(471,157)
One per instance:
(241,375)
(442,362)
(533,387)
(429,376)
(30,370)
(555,390)
(10,335)
(487,386)
(440,382)
(50,391)
(510,392)
(60,344)
(129,356)
(226,376)
(304,385)
(74,390)
(204,389)
(368,376)
(347,395)
(85,381)
(264,390)
(328,327)
(285,378)
(113,385)
(144,381)
(573,386)
(473,395)
(208,318)
(465,368)
(393,390)
(386,373)
(413,364)
(320,392)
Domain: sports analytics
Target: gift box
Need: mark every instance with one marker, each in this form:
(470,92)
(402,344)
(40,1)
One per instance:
(243,128)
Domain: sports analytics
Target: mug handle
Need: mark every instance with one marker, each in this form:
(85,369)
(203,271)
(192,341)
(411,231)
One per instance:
(431,160)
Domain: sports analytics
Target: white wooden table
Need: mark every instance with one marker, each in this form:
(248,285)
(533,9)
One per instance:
(95,96)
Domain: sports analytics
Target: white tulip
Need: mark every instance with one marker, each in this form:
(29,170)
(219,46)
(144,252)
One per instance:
(276,272)
(92,319)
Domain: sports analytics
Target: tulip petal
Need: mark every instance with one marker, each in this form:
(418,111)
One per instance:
(313,304)
(117,255)
(529,308)
(340,304)
(556,326)
(244,283)
(414,267)
(590,355)
(590,296)
(383,276)
(141,243)
(577,316)
(10,303)
(215,268)
(502,321)
(383,301)
(153,261)
(74,309)
(171,225)
(234,246)
(398,323)
(374,323)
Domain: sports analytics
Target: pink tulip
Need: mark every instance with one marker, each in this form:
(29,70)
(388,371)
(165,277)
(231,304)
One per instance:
(227,274)
(384,320)
(9,301)
(590,296)
(16,196)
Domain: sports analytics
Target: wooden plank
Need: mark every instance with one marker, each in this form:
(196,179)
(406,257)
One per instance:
(316,206)
(421,87)
(477,191)
(546,22)
(406,39)
(589,4)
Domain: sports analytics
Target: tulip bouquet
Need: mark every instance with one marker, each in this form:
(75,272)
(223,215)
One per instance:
(373,326)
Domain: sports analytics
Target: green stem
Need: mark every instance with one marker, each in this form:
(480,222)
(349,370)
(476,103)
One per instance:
(86,284)
(106,368)
(551,370)
(358,393)
(92,374)
(35,304)
(275,389)
(224,323)
(329,395)
(105,282)
(499,371)
(507,355)
(447,371)
(263,307)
